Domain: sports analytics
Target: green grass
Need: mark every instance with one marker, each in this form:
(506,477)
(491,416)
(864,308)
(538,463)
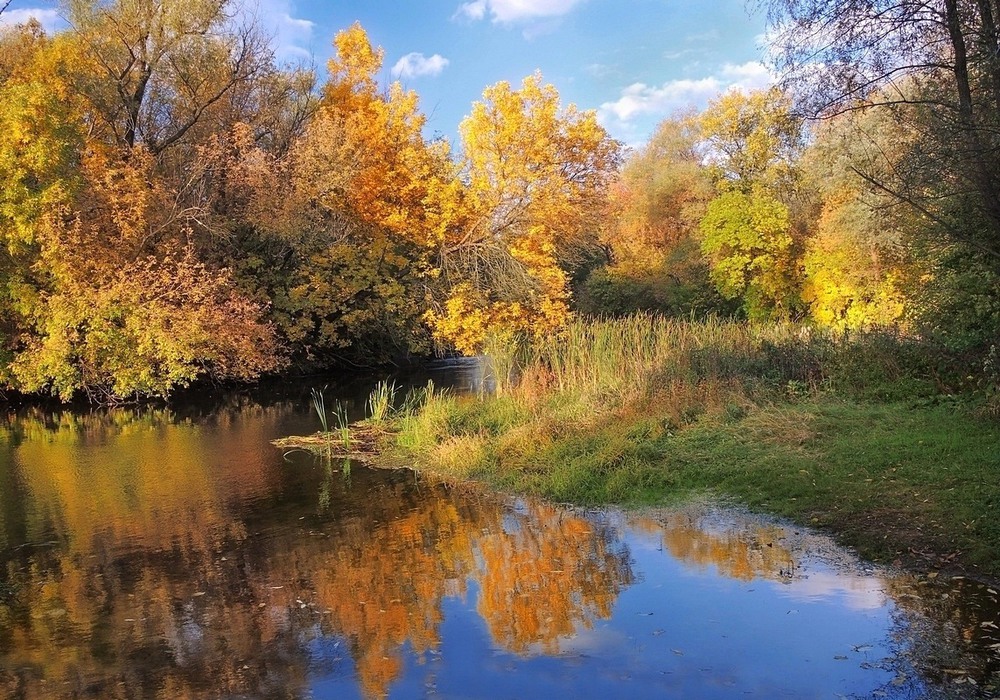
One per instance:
(850,434)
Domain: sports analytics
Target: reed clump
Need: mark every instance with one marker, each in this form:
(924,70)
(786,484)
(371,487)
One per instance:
(601,378)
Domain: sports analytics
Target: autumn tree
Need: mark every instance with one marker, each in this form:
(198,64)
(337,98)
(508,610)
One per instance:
(861,267)
(364,210)
(654,261)
(748,230)
(932,66)
(105,293)
(536,179)
(667,188)
(40,145)
(160,66)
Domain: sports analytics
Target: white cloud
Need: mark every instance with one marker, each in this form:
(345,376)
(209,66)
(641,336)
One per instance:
(599,70)
(507,11)
(293,36)
(748,76)
(641,100)
(49,19)
(415,65)
(472,10)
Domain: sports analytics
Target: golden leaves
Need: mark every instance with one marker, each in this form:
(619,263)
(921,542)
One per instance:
(536,179)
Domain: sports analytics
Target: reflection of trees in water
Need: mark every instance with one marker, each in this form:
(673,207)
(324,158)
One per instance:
(157,581)
(746,553)
(178,557)
(946,631)
(536,588)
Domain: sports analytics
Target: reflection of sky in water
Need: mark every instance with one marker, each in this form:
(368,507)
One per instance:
(678,631)
(853,591)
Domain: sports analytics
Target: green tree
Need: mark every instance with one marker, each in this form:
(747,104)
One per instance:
(747,238)
(749,233)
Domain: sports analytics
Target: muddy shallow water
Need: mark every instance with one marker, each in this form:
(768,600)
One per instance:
(176,554)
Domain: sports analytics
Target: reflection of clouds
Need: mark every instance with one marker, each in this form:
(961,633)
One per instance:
(594,641)
(856,591)
(808,566)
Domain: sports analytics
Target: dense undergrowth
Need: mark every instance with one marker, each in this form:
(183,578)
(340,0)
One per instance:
(887,440)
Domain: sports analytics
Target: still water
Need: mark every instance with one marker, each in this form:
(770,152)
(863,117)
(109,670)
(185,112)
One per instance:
(154,553)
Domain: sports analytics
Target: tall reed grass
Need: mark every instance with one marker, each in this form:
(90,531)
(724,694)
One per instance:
(627,358)
(599,372)
(380,402)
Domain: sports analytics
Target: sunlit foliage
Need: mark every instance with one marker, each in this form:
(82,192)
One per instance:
(536,177)
(747,232)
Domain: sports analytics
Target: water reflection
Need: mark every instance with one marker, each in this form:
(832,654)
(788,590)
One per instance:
(178,555)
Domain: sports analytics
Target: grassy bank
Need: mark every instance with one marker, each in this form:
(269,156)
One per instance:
(858,434)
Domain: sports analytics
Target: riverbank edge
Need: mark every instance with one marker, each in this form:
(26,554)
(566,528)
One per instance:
(905,484)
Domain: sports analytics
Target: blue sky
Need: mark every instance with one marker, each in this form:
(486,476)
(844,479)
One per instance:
(633,61)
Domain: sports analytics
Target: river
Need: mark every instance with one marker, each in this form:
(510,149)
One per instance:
(174,553)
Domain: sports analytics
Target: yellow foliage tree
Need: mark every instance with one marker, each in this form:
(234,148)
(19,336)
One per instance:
(536,182)
(858,272)
(369,197)
(105,293)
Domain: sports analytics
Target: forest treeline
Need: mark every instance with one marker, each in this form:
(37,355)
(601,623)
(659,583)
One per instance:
(176,205)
